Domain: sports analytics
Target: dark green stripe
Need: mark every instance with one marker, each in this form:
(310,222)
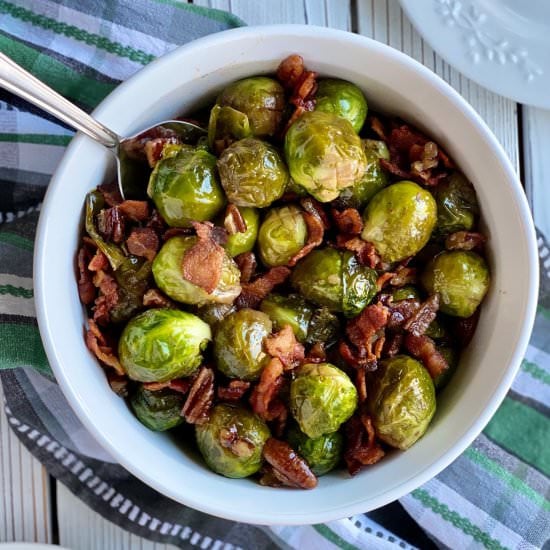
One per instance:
(460,522)
(16,240)
(535,371)
(76,33)
(523,431)
(545,312)
(21,345)
(40,139)
(17,291)
(210,13)
(336,539)
(55,74)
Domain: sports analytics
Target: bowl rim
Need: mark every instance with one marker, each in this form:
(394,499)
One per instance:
(432,469)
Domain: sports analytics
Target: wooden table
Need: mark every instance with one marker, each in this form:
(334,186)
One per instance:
(33,506)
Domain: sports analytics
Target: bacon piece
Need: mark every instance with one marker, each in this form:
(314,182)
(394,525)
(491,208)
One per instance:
(361,446)
(143,241)
(309,204)
(86,288)
(253,293)
(107,299)
(111,224)
(246,262)
(234,391)
(98,345)
(111,193)
(136,148)
(420,321)
(392,345)
(315,232)
(99,262)
(364,251)
(362,330)
(383,279)
(201,396)
(288,467)
(464,328)
(137,211)
(393,168)
(265,392)
(361,384)
(316,354)
(378,128)
(304,90)
(348,221)
(290,70)
(176,232)
(180,385)
(155,298)
(465,240)
(423,348)
(234,221)
(118,383)
(401,311)
(403,276)
(285,347)
(156,223)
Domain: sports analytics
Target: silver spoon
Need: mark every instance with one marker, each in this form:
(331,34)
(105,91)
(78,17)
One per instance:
(20,82)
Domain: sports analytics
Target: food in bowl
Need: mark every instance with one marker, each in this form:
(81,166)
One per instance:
(298,286)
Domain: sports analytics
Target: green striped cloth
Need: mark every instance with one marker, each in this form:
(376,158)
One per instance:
(496,495)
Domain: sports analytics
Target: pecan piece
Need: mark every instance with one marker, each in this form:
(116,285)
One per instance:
(234,221)
(201,395)
(239,446)
(420,321)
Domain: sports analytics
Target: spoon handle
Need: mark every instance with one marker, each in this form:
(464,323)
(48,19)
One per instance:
(23,84)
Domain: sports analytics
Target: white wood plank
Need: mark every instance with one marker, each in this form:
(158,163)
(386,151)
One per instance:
(24,490)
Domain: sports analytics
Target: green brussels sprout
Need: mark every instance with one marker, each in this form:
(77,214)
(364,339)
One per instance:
(401,398)
(324,154)
(436,329)
(162,344)
(374,179)
(451,357)
(252,173)
(407,292)
(333,278)
(232,440)
(159,410)
(214,313)
(322,453)
(261,99)
(238,344)
(283,234)
(184,186)
(322,397)
(324,327)
(461,278)
(343,99)
(238,243)
(399,220)
(169,278)
(457,206)
(290,310)
(225,126)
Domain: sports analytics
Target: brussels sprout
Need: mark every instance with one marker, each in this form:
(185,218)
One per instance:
(324,154)
(252,173)
(161,344)
(324,327)
(452,360)
(225,126)
(282,234)
(261,99)
(159,410)
(322,397)
(184,186)
(321,453)
(407,292)
(244,242)
(399,220)
(461,278)
(436,330)
(168,275)
(238,344)
(457,207)
(343,99)
(290,310)
(374,179)
(214,313)
(401,398)
(334,278)
(232,440)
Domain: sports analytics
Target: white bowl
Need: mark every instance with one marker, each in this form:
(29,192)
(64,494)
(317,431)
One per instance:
(392,82)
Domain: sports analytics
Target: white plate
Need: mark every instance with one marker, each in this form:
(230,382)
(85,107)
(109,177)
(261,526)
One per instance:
(503,45)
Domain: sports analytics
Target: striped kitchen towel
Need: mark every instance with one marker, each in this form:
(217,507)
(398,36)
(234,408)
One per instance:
(496,495)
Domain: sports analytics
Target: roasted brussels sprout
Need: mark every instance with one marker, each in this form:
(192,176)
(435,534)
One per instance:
(436,329)
(452,360)
(214,313)
(334,278)
(244,242)
(252,173)
(290,310)
(184,186)
(407,292)
(238,344)
(283,234)
(461,278)
(399,220)
(168,275)
(324,154)
(324,327)
(401,398)
(322,397)
(159,410)
(161,344)
(261,99)
(342,98)
(374,179)
(322,453)
(225,126)
(457,207)
(232,440)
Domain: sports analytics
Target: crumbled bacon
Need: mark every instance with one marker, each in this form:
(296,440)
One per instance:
(393,168)
(155,298)
(420,321)
(392,345)
(290,70)
(99,346)
(176,232)
(383,279)
(111,224)
(107,299)
(143,242)
(315,232)
(156,222)
(233,391)
(285,347)
(234,221)
(200,398)
(361,384)
(246,262)
(464,328)
(316,354)
(137,211)
(403,276)
(136,148)
(253,293)
(309,204)
(401,311)
(423,348)
(99,262)
(361,446)
(377,127)
(363,329)
(86,288)
(364,251)
(180,385)
(348,221)
(288,467)
(465,240)
(118,383)
(154,149)
(264,394)
(111,193)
